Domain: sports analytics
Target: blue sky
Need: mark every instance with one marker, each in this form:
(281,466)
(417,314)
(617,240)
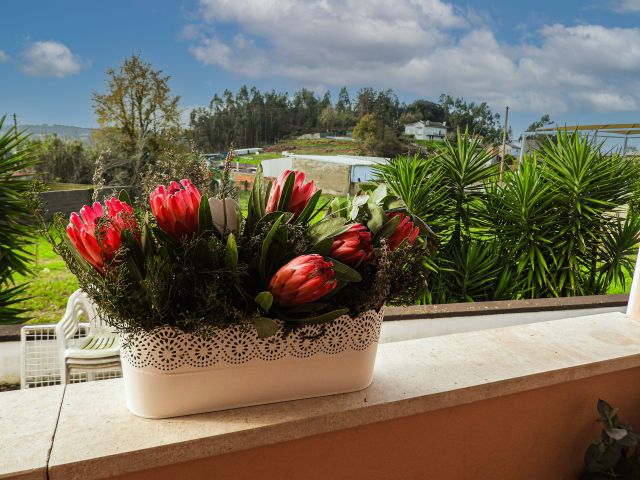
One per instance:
(578,61)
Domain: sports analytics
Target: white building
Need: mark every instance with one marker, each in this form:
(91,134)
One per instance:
(512,149)
(426,130)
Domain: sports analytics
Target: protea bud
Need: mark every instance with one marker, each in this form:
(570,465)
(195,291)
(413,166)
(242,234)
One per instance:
(99,247)
(304,279)
(300,195)
(405,230)
(353,246)
(176,208)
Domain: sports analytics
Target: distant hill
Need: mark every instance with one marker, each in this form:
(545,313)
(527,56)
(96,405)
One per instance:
(62,131)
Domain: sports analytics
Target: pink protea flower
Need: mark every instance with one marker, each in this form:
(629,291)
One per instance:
(405,230)
(353,246)
(176,208)
(300,195)
(99,247)
(304,279)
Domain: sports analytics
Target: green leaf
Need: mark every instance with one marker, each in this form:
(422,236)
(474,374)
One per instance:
(309,209)
(345,273)
(378,194)
(257,201)
(165,239)
(377,217)
(123,196)
(146,239)
(272,216)
(205,221)
(265,300)
(285,193)
(231,253)
(265,248)
(387,229)
(327,228)
(322,247)
(266,327)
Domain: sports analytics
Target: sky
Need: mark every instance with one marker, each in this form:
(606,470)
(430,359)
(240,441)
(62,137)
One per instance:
(578,61)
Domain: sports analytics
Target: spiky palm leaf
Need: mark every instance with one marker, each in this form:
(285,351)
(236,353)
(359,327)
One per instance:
(15,220)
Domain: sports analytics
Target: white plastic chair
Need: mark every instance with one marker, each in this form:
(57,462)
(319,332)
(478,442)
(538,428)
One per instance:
(96,353)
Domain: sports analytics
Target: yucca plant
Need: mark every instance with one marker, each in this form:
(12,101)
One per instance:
(553,228)
(465,165)
(588,186)
(15,222)
(522,217)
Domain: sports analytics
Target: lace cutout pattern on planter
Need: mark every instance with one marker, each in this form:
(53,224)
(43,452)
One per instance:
(169,349)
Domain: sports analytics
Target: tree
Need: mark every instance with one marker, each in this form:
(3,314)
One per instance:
(138,105)
(425,110)
(375,138)
(542,122)
(475,117)
(328,118)
(344,102)
(365,102)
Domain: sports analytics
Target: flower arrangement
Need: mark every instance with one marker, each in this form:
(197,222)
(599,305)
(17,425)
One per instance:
(198,264)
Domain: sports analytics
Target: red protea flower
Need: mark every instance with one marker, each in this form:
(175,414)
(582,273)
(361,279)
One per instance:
(300,195)
(304,279)
(176,208)
(99,247)
(405,230)
(352,246)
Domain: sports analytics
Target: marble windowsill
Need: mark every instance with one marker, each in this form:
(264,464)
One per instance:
(96,437)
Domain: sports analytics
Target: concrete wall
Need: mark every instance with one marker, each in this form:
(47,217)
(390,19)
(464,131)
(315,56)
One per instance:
(332,178)
(532,435)
(275,167)
(9,362)
(67,201)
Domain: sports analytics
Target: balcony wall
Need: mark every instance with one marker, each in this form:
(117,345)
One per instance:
(513,402)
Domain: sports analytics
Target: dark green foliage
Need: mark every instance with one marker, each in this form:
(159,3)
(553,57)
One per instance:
(615,453)
(252,118)
(16,230)
(551,229)
(475,117)
(376,138)
(66,161)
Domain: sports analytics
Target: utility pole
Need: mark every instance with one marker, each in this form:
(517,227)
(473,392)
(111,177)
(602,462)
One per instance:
(504,142)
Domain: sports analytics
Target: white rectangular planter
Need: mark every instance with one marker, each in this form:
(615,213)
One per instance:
(169,373)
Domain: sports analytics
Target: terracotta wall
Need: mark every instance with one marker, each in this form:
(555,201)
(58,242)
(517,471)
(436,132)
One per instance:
(538,435)
(243,181)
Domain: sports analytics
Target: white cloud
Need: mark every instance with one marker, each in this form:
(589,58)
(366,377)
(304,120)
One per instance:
(425,47)
(624,6)
(603,101)
(3,56)
(50,59)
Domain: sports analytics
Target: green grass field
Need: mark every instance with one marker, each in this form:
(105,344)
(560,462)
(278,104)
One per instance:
(50,285)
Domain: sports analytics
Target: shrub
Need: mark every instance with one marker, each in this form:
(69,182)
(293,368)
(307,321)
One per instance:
(552,228)
(16,158)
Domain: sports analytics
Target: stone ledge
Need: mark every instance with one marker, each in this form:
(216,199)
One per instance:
(411,377)
(27,425)
(504,306)
(97,437)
